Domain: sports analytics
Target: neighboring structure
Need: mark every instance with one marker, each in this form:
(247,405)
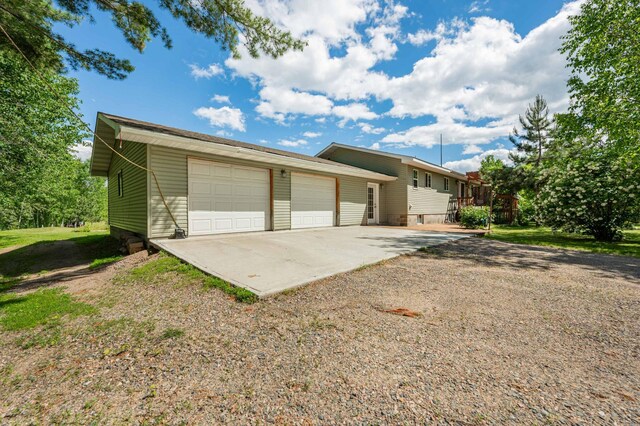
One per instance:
(423,193)
(215,185)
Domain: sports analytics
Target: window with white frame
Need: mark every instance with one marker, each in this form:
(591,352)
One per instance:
(415,179)
(446,184)
(427,180)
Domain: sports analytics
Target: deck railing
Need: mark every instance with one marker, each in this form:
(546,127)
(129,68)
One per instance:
(465,201)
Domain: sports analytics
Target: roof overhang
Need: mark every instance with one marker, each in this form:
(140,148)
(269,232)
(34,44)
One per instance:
(414,162)
(405,159)
(103,138)
(101,154)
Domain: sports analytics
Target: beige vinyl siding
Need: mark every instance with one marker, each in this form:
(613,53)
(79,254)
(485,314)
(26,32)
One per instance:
(393,195)
(170,165)
(353,200)
(281,200)
(128,212)
(430,201)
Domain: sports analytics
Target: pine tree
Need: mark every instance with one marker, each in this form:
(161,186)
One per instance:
(532,141)
(31,25)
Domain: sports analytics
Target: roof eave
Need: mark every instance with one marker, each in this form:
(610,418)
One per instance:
(173,141)
(437,169)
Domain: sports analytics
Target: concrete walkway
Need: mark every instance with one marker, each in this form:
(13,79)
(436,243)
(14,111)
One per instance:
(270,262)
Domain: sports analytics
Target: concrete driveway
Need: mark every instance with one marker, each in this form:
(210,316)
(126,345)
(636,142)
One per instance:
(270,262)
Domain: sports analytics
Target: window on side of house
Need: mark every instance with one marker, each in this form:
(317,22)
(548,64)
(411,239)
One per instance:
(415,179)
(446,184)
(120,184)
(427,181)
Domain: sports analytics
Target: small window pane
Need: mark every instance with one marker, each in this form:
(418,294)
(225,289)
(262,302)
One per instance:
(446,184)
(415,178)
(427,182)
(120,184)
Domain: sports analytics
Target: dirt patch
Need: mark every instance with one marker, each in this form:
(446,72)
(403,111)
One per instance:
(505,334)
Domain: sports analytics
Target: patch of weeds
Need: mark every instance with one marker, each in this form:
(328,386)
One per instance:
(171,333)
(138,330)
(39,308)
(49,335)
(7,378)
(428,250)
(88,405)
(97,263)
(157,270)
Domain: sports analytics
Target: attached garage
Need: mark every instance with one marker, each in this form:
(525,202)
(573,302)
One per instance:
(313,201)
(227,198)
(203,184)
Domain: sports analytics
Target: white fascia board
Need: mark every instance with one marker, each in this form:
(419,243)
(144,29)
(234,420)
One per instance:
(188,144)
(441,170)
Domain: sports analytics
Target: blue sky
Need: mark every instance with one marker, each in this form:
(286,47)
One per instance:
(390,76)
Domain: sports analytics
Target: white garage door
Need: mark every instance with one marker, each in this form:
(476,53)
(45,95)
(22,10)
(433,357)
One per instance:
(226,198)
(313,201)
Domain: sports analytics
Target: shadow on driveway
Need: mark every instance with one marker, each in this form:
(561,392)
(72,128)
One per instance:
(519,256)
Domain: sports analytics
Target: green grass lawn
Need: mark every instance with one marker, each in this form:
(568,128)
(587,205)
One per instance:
(629,246)
(33,251)
(23,237)
(165,266)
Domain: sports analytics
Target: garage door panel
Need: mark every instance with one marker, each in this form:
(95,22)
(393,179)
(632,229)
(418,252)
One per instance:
(200,188)
(227,198)
(313,201)
(198,169)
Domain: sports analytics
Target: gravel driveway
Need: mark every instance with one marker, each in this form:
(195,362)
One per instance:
(507,334)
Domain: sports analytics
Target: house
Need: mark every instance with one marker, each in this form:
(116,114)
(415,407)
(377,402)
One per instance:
(423,193)
(202,184)
(165,182)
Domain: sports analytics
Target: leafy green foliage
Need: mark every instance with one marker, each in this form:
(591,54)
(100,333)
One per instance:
(545,236)
(228,22)
(474,217)
(165,266)
(38,308)
(589,188)
(603,52)
(591,184)
(41,182)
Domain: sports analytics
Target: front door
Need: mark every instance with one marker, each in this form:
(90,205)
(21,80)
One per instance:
(372,203)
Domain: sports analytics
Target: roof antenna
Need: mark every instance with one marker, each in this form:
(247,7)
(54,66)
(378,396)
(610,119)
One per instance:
(440,149)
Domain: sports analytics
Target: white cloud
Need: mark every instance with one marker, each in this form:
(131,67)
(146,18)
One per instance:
(375,146)
(321,120)
(492,73)
(312,134)
(278,102)
(221,99)
(353,111)
(82,151)
(224,133)
(292,143)
(471,149)
(222,117)
(473,163)
(479,6)
(208,72)
(442,30)
(452,133)
(471,84)
(368,128)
